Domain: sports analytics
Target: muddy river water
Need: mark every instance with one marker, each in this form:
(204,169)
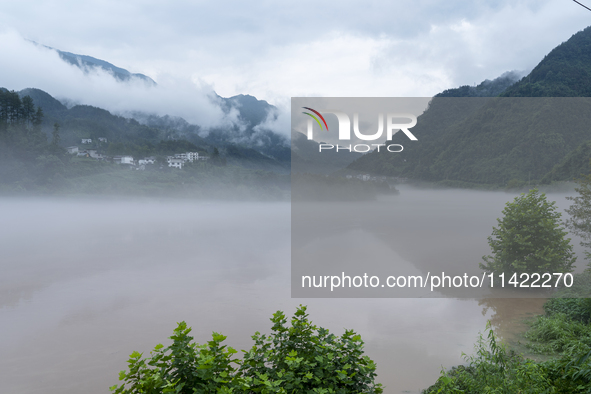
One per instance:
(85,282)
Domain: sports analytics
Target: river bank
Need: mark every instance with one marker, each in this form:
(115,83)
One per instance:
(550,354)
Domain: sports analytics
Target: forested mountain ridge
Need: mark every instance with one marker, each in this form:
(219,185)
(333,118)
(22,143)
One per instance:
(33,162)
(564,72)
(249,135)
(511,139)
(128,136)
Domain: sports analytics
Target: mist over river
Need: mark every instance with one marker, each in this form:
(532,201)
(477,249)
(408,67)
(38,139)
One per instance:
(85,282)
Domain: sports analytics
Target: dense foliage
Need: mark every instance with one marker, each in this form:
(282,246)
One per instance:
(301,358)
(565,327)
(572,166)
(305,358)
(580,212)
(26,158)
(494,369)
(529,238)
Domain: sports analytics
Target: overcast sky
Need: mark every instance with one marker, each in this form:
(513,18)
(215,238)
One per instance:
(278,49)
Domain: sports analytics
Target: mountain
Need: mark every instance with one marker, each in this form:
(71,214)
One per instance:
(44,100)
(142,138)
(248,133)
(465,139)
(87,63)
(486,88)
(564,72)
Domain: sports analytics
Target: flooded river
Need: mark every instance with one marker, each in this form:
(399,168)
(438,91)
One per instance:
(86,282)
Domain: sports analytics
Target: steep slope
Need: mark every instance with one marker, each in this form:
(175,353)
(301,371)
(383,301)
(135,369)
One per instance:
(494,140)
(564,72)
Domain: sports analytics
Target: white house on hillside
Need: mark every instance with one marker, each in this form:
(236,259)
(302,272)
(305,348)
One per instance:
(146,160)
(123,159)
(175,162)
(190,156)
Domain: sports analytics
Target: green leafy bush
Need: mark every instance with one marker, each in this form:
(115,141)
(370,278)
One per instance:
(298,359)
(529,238)
(183,367)
(306,359)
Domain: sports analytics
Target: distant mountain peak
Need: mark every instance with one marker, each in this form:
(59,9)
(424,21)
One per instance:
(86,63)
(564,72)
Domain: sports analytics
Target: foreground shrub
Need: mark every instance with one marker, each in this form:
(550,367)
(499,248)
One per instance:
(306,359)
(183,367)
(302,358)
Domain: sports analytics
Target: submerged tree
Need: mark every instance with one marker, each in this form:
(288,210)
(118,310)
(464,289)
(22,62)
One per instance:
(529,238)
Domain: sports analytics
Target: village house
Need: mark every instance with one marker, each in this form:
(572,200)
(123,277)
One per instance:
(179,159)
(190,156)
(175,162)
(72,150)
(87,140)
(94,154)
(147,160)
(123,159)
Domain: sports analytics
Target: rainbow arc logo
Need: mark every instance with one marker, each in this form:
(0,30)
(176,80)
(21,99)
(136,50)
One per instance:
(315,118)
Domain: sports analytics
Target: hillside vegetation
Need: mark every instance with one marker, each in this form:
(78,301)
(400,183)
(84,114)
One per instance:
(536,130)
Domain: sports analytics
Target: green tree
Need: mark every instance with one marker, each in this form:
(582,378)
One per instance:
(28,110)
(55,135)
(37,119)
(580,213)
(529,238)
